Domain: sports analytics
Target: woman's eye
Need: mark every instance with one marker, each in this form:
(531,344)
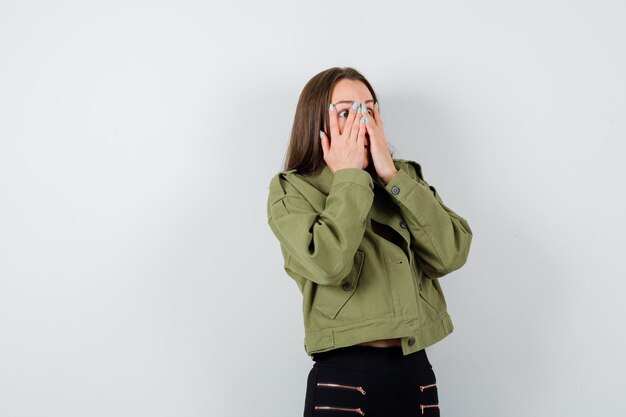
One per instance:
(342,112)
(370,112)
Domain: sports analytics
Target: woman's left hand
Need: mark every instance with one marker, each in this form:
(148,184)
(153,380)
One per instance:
(383,162)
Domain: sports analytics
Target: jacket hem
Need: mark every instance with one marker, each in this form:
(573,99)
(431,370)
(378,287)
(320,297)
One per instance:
(423,334)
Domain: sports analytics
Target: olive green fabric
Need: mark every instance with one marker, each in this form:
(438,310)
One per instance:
(356,285)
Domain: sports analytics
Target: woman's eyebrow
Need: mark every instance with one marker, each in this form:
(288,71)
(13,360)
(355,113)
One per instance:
(350,102)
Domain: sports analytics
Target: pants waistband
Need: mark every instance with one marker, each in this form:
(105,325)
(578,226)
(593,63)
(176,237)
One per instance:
(372,358)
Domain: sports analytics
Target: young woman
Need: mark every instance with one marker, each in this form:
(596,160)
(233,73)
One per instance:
(366,239)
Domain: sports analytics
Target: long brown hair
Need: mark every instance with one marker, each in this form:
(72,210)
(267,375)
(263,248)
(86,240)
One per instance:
(304,152)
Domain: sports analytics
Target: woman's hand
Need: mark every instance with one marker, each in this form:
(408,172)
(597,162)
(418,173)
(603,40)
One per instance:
(383,162)
(346,149)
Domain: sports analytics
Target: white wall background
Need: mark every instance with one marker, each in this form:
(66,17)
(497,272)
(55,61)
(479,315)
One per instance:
(138,276)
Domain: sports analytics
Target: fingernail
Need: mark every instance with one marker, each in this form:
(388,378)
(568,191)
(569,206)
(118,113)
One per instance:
(331,107)
(363,106)
(367,120)
(354,105)
(358,110)
(363,119)
(321,135)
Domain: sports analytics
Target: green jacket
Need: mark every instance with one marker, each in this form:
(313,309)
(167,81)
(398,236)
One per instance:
(356,285)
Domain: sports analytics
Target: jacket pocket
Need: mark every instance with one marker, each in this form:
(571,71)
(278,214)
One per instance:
(430,294)
(430,303)
(330,299)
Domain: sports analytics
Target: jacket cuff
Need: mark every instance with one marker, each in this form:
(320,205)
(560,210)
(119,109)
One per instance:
(355,175)
(401,185)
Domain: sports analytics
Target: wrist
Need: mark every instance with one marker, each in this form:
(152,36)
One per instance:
(387,179)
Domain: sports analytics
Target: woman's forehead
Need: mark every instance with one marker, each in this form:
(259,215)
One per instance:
(350,91)
(350,102)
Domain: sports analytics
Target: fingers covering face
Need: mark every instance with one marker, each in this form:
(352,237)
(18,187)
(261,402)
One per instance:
(332,115)
(377,118)
(349,122)
(334,121)
(362,131)
(356,126)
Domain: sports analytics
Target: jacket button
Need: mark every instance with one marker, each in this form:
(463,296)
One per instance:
(403,224)
(346,286)
(395,189)
(411,341)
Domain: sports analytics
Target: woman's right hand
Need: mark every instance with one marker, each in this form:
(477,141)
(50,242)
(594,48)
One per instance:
(345,149)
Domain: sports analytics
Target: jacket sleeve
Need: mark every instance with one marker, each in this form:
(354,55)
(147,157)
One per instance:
(321,246)
(440,238)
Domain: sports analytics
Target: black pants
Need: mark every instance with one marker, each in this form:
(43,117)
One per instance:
(371,381)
